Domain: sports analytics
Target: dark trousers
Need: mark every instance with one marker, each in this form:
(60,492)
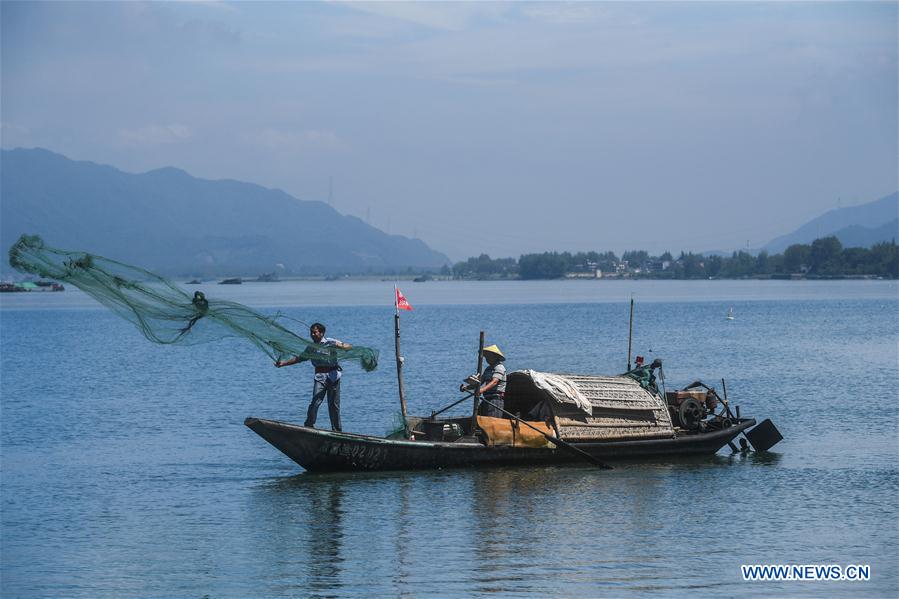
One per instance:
(485,409)
(332,390)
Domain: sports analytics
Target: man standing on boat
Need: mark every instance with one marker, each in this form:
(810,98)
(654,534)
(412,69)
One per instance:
(494,390)
(327,375)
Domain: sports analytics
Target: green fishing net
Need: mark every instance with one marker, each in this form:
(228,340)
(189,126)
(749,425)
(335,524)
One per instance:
(166,313)
(398,427)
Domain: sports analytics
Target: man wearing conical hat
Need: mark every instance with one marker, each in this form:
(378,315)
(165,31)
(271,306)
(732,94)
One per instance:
(494,389)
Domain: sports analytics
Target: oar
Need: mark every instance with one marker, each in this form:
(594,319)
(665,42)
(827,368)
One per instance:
(564,444)
(455,403)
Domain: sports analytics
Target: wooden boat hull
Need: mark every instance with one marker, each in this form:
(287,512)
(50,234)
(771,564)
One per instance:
(327,451)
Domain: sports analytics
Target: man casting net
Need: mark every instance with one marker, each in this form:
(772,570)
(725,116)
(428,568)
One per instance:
(164,312)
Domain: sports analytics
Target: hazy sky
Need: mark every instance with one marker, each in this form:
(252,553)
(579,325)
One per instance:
(491,127)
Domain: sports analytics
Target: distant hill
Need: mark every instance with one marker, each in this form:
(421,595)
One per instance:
(170,222)
(855,226)
(856,236)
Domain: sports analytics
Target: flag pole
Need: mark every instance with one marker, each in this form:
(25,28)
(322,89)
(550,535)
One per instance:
(399,361)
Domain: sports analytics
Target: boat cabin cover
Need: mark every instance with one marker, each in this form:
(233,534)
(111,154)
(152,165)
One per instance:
(585,407)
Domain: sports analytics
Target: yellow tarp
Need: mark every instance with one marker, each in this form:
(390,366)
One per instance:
(503,432)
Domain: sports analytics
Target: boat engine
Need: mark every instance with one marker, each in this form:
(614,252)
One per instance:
(690,406)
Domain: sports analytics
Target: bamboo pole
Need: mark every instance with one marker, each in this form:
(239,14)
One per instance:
(630,334)
(477,389)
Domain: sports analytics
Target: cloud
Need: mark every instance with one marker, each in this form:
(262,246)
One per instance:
(140,23)
(214,31)
(155,135)
(13,134)
(448,16)
(214,4)
(562,12)
(302,140)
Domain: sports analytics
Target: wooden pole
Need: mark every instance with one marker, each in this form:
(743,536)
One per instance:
(477,389)
(399,373)
(630,334)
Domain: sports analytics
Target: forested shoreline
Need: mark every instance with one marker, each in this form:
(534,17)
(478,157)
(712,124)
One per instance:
(823,258)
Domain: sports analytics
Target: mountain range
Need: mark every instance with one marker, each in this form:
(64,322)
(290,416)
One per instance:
(856,226)
(169,222)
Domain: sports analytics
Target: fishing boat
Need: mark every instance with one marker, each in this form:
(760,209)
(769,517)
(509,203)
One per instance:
(553,419)
(10,287)
(548,418)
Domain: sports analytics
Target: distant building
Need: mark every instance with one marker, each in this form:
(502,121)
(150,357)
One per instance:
(593,274)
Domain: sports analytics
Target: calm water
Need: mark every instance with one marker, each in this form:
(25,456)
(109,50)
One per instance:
(127,471)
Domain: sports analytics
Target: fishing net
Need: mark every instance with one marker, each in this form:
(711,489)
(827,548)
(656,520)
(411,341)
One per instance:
(165,313)
(397,428)
(645,375)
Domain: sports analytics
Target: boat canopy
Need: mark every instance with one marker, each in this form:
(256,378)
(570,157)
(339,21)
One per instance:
(588,407)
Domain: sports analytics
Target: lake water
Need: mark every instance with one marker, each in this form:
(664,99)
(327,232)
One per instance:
(127,471)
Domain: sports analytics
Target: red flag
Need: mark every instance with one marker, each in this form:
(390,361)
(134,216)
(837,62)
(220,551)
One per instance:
(401,302)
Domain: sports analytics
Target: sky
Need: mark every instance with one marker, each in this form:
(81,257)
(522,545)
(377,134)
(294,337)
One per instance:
(498,128)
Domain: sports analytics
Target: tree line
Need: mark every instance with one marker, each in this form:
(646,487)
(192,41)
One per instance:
(823,258)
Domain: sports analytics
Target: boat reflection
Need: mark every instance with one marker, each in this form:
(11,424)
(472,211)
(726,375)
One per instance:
(484,530)
(302,526)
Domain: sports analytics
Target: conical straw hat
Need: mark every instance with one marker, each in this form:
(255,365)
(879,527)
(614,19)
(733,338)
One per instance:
(493,349)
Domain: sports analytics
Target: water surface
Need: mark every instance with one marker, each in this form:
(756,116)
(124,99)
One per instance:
(127,471)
